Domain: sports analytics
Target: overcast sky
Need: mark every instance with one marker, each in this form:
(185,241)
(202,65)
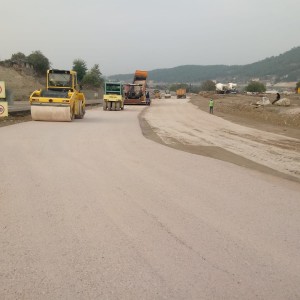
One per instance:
(122,36)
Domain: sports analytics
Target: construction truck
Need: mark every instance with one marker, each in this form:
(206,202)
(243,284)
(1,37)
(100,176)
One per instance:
(181,93)
(167,94)
(62,99)
(226,88)
(157,94)
(113,96)
(135,93)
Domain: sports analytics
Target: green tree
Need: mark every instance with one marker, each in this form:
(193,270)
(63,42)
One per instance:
(255,87)
(177,86)
(93,77)
(39,62)
(208,85)
(19,57)
(298,85)
(79,65)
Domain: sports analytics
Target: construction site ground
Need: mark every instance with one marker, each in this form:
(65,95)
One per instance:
(261,145)
(242,109)
(91,209)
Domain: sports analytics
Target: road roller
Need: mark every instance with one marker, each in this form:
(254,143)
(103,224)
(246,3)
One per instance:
(62,100)
(113,96)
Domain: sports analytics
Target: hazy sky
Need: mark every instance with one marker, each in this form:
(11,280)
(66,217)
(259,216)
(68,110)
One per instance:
(122,36)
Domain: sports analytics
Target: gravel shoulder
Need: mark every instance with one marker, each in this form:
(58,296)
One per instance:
(179,124)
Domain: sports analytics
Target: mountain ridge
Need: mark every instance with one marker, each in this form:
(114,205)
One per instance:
(285,66)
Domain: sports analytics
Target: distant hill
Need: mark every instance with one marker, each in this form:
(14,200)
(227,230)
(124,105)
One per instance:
(285,67)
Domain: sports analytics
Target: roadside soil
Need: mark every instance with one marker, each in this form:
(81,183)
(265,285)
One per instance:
(242,109)
(25,116)
(11,120)
(249,142)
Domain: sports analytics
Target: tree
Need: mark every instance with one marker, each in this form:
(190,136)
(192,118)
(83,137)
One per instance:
(93,77)
(255,87)
(208,85)
(298,85)
(79,65)
(18,57)
(176,86)
(39,62)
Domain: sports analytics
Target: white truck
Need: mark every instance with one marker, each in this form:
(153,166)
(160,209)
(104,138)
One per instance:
(226,88)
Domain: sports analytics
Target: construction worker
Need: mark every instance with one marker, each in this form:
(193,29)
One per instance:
(211,106)
(277,98)
(148,98)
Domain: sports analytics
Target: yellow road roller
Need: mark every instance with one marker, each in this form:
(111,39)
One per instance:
(60,101)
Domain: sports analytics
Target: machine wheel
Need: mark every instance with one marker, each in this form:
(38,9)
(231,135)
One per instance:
(113,106)
(104,105)
(81,112)
(72,115)
(118,105)
(109,105)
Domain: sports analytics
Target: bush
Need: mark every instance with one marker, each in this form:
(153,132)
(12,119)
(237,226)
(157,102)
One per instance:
(93,78)
(177,86)
(255,87)
(19,57)
(80,67)
(207,86)
(39,62)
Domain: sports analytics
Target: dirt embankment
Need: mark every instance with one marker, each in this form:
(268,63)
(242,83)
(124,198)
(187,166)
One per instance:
(241,109)
(20,84)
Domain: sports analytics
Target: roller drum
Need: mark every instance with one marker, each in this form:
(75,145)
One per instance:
(51,113)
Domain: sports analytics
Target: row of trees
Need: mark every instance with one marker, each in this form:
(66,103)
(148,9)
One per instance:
(89,78)
(37,59)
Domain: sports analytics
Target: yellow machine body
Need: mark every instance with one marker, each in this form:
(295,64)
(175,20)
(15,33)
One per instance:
(61,101)
(181,93)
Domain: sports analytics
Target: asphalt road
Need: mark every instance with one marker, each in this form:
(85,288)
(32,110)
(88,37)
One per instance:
(94,210)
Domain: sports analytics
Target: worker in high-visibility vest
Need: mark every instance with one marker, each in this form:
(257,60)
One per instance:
(211,106)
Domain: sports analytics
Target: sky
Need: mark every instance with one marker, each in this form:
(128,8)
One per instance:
(122,36)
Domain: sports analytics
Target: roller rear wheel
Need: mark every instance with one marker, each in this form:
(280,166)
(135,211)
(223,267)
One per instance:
(104,105)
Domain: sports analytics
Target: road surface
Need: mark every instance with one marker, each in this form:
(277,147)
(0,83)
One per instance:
(94,210)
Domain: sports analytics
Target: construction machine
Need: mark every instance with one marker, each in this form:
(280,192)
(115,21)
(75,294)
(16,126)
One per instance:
(226,88)
(157,94)
(113,96)
(167,94)
(181,93)
(135,93)
(62,99)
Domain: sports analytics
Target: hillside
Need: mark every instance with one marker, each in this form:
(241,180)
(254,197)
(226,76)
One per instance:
(20,84)
(285,67)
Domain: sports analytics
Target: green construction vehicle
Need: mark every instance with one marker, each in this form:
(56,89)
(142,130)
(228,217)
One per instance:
(113,98)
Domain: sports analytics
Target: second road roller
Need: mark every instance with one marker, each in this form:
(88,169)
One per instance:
(62,100)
